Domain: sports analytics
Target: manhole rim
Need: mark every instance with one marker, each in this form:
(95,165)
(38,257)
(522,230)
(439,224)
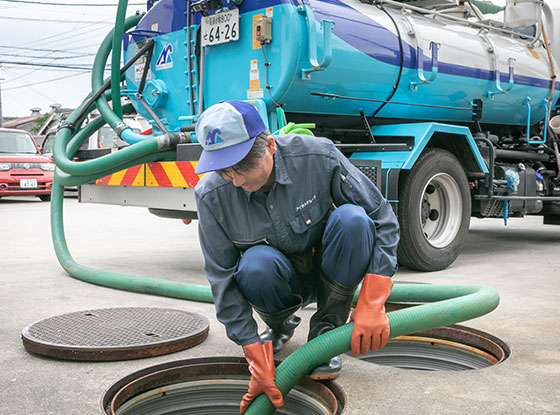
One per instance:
(297,393)
(466,337)
(449,343)
(501,350)
(143,375)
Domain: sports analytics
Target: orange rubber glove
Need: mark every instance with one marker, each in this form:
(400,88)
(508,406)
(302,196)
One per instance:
(371,325)
(261,365)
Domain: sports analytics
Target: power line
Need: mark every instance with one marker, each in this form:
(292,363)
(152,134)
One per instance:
(46,56)
(81,67)
(52,20)
(21,76)
(73,34)
(47,50)
(29,72)
(45,82)
(50,69)
(70,4)
(78,35)
(43,65)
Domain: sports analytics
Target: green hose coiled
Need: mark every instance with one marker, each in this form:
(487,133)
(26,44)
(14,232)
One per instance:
(451,304)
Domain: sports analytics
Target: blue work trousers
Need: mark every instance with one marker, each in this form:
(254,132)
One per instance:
(268,280)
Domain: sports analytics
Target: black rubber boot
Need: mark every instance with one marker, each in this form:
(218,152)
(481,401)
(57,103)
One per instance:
(281,326)
(333,307)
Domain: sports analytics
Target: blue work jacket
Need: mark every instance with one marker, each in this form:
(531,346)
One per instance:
(311,178)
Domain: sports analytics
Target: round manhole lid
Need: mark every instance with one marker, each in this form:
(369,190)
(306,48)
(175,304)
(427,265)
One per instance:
(115,333)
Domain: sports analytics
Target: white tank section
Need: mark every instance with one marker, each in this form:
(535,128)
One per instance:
(475,45)
(552,19)
(522,13)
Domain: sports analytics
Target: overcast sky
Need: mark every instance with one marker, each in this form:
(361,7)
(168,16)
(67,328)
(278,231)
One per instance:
(54,36)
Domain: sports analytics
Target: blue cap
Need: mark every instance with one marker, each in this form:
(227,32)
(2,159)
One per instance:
(226,132)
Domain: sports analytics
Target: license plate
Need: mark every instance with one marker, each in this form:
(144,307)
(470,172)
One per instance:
(28,183)
(220,28)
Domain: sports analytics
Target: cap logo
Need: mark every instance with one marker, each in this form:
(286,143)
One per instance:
(213,137)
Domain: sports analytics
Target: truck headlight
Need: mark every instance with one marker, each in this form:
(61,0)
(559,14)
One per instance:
(5,166)
(47,166)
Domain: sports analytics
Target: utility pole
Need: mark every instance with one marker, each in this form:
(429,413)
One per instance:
(1,119)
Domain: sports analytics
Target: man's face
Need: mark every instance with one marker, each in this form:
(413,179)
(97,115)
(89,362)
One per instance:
(254,179)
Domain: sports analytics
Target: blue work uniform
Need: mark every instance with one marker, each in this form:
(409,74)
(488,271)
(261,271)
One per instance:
(257,246)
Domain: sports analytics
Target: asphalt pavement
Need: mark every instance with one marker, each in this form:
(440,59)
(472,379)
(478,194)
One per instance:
(520,260)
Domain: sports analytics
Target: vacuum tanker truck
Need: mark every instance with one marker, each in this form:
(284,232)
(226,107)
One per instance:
(451,113)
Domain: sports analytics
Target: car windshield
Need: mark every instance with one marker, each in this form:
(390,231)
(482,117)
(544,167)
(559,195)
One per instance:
(14,142)
(106,136)
(48,144)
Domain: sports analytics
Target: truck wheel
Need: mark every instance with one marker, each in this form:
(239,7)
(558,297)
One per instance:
(45,198)
(434,212)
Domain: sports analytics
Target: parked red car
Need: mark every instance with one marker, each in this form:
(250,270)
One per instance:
(24,171)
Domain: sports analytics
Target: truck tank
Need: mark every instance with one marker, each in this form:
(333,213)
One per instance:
(319,50)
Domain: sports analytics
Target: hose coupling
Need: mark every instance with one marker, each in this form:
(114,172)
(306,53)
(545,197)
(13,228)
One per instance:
(119,128)
(171,140)
(69,125)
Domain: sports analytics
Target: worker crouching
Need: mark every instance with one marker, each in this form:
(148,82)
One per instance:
(285,221)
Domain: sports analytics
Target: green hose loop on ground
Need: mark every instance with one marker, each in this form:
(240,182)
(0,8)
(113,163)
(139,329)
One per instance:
(453,304)
(111,279)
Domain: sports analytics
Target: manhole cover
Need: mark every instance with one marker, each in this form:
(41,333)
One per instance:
(115,333)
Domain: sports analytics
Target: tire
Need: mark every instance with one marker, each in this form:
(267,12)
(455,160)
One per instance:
(45,198)
(434,212)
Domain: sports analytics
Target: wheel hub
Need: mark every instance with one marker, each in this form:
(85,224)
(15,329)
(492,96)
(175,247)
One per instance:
(425,210)
(441,210)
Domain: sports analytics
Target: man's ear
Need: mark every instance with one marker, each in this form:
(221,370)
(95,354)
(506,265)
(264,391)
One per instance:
(271,146)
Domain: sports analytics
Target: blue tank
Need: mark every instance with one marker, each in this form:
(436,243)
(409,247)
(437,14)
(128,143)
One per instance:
(329,60)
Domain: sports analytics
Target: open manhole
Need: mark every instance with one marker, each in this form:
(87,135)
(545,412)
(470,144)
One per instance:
(445,349)
(213,385)
(115,333)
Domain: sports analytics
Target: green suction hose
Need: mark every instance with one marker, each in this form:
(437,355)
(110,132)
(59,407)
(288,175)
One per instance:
(116,58)
(452,304)
(110,279)
(447,304)
(70,173)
